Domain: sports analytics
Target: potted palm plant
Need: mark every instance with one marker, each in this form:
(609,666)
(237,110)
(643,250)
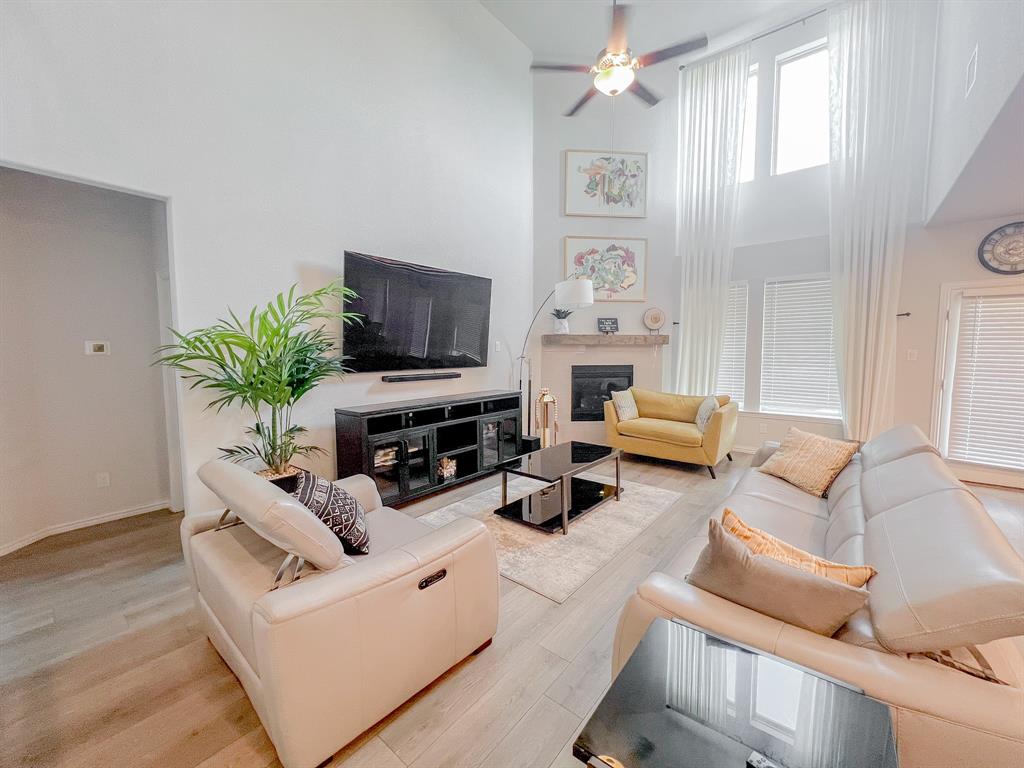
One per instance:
(266,363)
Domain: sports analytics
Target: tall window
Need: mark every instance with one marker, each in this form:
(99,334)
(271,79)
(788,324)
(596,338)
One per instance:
(798,368)
(747,150)
(983,384)
(801,109)
(732,363)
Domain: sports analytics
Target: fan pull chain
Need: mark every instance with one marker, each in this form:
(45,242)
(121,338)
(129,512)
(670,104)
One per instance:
(611,145)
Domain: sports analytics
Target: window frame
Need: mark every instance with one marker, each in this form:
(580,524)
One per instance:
(753,72)
(942,389)
(787,57)
(789,415)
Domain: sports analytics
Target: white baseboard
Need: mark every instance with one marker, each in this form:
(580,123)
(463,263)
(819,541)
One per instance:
(106,517)
(743,449)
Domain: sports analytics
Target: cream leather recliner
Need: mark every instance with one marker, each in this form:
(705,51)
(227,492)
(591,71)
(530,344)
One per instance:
(326,656)
(948,578)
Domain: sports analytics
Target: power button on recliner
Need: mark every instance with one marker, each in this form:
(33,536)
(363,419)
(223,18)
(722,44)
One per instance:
(433,578)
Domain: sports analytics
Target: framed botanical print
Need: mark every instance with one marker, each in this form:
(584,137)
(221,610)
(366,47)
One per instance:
(605,183)
(617,266)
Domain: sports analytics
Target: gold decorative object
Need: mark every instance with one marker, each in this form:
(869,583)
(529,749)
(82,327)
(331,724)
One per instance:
(547,418)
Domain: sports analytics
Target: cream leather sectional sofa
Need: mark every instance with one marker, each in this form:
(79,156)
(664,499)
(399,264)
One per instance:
(947,578)
(325,657)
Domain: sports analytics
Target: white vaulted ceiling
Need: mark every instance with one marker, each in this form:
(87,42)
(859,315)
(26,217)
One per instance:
(573,31)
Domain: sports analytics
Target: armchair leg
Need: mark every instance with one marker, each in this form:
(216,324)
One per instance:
(728,456)
(712,471)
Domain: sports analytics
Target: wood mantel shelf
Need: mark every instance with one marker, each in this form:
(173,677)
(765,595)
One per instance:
(604,340)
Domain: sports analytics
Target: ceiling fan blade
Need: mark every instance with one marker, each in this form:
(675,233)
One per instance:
(617,39)
(673,50)
(561,67)
(641,92)
(591,92)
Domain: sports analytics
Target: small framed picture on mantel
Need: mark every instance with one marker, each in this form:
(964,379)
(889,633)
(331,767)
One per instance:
(605,183)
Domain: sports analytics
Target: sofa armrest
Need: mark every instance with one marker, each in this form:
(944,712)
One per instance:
(192,525)
(721,432)
(364,489)
(768,447)
(894,679)
(611,421)
(309,595)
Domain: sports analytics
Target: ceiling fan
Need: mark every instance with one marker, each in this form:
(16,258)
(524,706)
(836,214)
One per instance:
(616,67)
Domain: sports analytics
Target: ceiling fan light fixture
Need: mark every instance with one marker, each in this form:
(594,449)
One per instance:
(614,80)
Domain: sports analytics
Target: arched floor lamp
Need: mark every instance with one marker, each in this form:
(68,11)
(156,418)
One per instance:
(569,294)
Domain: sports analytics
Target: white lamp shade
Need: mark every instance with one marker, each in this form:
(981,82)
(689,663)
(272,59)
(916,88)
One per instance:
(573,293)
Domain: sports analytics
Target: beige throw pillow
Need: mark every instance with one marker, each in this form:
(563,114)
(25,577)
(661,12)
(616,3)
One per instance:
(728,569)
(625,405)
(762,543)
(809,461)
(705,412)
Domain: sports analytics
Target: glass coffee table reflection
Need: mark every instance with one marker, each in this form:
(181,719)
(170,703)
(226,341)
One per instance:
(568,496)
(688,699)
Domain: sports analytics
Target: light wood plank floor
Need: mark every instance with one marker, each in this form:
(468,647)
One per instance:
(102,661)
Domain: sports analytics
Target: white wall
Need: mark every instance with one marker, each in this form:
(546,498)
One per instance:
(77,264)
(623,123)
(960,121)
(284,133)
(934,255)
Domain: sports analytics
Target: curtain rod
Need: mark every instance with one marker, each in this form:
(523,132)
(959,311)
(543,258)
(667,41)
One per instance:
(753,38)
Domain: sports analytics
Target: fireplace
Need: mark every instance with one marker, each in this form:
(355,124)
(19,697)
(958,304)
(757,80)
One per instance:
(592,386)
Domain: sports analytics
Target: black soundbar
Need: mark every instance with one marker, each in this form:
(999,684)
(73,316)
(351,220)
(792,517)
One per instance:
(391,379)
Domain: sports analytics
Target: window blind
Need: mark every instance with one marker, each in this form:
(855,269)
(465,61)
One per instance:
(986,416)
(733,361)
(798,368)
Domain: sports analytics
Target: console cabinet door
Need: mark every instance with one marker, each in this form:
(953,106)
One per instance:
(418,469)
(499,439)
(386,457)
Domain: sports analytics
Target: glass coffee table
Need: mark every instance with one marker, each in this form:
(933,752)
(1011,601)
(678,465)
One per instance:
(567,497)
(689,699)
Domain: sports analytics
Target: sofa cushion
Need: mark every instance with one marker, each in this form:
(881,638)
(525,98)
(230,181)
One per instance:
(947,577)
(848,479)
(665,405)
(662,430)
(336,508)
(895,443)
(760,485)
(792,526)
(901,480)
(809,461)
(273,514)
(728,569)
(388,528)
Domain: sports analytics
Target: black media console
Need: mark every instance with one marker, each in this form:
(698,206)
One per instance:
(403,445)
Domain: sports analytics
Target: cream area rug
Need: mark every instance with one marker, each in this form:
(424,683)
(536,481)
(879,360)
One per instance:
(551,564)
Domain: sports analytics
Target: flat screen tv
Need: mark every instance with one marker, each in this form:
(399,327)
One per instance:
(414,317)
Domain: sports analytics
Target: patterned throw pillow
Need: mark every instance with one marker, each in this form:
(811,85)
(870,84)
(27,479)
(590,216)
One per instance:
(809,461)
(761,543)
(337,509)
(625,405)
(706,411)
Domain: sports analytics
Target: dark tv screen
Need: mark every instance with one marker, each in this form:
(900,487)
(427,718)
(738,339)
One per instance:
(414,317)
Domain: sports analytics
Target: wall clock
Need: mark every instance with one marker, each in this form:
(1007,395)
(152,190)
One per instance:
(1002,251)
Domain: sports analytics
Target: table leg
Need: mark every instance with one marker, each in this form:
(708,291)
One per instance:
(618,477)
(504,488)
(566,489)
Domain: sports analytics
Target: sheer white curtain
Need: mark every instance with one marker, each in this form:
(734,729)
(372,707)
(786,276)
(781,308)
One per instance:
(711,127)
(872,51)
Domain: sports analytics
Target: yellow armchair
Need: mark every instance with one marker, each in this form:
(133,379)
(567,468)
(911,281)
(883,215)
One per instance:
(667,429)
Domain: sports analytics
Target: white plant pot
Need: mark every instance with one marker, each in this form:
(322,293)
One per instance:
(561,326)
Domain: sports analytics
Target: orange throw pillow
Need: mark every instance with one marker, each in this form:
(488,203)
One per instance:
(761,543)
